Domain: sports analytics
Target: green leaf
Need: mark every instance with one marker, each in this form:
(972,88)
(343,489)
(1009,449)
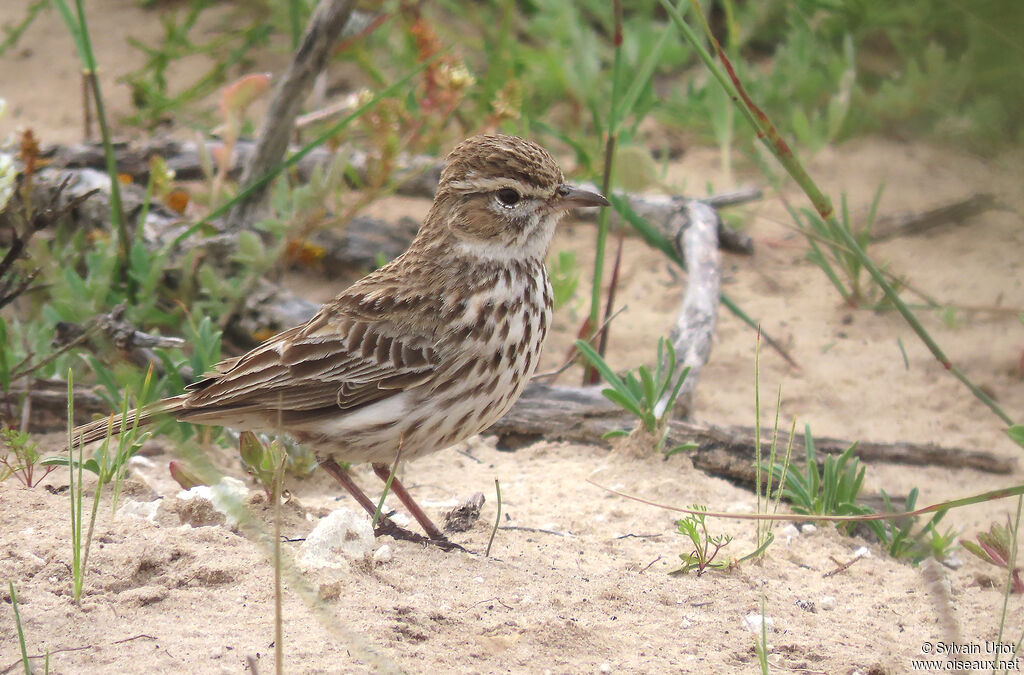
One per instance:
(641,78)
(601,366)
(650,395)
(623,401)
(685,447)
(1016,433)
(617,433)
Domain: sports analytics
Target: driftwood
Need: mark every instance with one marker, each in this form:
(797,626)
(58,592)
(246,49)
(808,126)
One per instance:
(696,239)
(551,413)
(583,415)
(325,27)
(579,414)
(414,176)
(890,227)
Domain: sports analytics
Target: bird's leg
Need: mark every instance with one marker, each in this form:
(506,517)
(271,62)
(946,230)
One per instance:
(383,471)
(341,475)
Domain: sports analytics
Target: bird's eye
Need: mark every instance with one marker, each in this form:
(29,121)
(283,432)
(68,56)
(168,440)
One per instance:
(508,197)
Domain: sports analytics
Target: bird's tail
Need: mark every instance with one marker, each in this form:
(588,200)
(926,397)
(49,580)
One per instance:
(111,425)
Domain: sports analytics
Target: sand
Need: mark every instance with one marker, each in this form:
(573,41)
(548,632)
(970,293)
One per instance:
(583,585)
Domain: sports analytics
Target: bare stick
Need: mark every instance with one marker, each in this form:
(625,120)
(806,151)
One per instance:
(583,415)
(323,30)
(916,222)
(696,239)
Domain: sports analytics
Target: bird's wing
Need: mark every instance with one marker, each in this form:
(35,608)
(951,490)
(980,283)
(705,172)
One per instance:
(340,360)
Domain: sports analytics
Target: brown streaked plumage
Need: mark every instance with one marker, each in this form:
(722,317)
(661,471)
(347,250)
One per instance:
(424,352)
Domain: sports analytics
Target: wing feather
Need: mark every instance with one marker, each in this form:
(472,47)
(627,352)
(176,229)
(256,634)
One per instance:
(334,362)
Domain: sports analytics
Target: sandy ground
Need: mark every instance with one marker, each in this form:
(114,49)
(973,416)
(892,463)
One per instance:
(585,587)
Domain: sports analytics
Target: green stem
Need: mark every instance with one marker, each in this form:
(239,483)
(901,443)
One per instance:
(1011,566)
(497,518)
(769,135)
(116,211)
(606,179)
(21,632)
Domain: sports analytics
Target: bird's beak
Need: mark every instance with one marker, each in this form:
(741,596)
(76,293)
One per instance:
(573,198)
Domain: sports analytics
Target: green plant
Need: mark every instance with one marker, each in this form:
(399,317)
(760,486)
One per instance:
(565,277)
(649,396)
(705,546)
(761,641)
(995,547)
(630,100)
(773,141)
(763,483)
(25,457)
(251,27)
(108,466)
(899,539)
(833,490)
(78,29)
(264,462)
(820,232)
(21,633)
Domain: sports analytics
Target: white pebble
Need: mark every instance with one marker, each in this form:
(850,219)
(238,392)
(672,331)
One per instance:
(862,552)
(827,603)
(790,531)
(605,668)
(139,462)
(227,496)
(135,509)
(753,622)
(953,562)
(342,536)
(808,529)
(382,555)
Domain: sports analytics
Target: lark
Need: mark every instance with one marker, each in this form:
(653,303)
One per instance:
(420,354)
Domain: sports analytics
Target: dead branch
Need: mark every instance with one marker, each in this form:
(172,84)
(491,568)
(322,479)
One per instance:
(325,26)
(696,239)
(414,176)
(583,415)
(914,222)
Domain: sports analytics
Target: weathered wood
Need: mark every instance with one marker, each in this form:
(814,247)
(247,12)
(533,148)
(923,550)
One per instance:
(583,415)
(696,240)
(325,27)
(916,222)
(414,176)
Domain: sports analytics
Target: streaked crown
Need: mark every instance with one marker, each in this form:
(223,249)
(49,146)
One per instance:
(499,198)
(485,163)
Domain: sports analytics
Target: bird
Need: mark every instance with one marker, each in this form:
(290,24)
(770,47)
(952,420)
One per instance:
(423,352)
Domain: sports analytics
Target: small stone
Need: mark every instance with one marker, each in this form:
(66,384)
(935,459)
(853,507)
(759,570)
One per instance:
(198,512)
(808,529)
(342,536)
(134,509)
(464,516)
(226,496)
(862,552)
(827,603)
(605,668)
(753,622)
(382,555)
(790,531)
(953,562)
